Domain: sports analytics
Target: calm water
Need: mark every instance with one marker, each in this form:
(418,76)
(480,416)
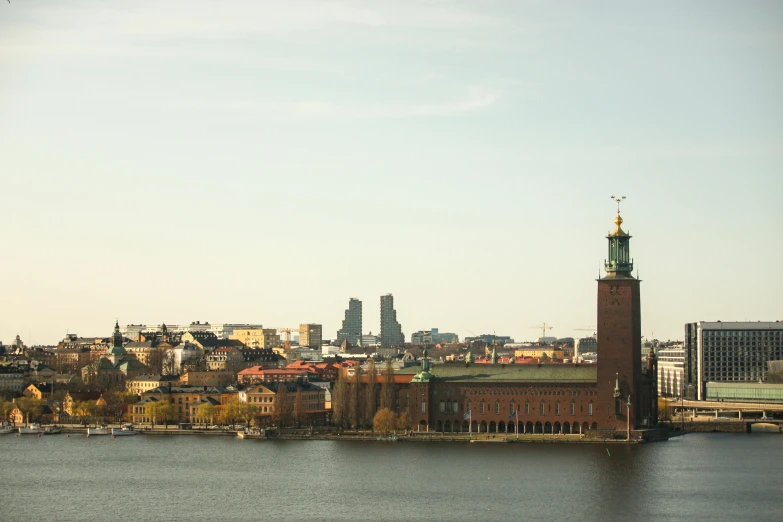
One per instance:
(696,477)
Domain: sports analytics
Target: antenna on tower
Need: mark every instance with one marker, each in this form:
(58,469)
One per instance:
(618,200)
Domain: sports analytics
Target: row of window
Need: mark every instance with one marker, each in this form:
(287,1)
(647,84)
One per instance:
(453,407)
(533,392)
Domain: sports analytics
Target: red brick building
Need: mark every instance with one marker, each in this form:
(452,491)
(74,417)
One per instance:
(550,398)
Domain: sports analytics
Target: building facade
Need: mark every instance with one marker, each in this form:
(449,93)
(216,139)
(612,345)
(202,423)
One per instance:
(671,372)
(391,330)
(433,336)
(311,335)
(257,337)
(352,324)
(729,352)
(614,395)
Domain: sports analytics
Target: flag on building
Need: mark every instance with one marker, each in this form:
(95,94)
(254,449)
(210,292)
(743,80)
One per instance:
(467,415)
(512,415)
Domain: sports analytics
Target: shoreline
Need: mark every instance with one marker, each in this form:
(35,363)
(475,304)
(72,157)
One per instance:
(414,437)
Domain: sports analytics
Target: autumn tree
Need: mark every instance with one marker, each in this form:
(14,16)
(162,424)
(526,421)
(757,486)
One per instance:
(298,413)
(369,392)
(205,413)
(404,420)
(339,399)
(246,412)
(6,406)
(384,421)
(152,411)
(387,387)
(230,411)
(30,408)
(167,413)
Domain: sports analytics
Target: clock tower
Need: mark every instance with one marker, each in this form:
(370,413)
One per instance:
(619,338)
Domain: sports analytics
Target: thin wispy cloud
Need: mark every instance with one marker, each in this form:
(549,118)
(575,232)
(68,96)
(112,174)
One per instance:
(476,99)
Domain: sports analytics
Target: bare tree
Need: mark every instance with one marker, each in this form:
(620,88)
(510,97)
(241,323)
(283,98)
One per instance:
(356,395)
(281,405)
(339,398)
(387,388)
(155,361)
(299,413)
(369,392)
(169,363)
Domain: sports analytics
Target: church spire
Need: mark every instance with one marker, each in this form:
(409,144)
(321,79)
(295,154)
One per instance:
(619,263)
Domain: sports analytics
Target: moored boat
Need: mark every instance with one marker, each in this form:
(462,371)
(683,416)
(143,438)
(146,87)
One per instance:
(127,429)
(5,429)
(100,430)
(52,430)
(30,429)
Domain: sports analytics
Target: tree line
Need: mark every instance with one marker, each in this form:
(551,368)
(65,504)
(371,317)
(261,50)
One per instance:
(367,406)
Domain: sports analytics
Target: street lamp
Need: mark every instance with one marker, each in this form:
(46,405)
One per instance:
(628,418)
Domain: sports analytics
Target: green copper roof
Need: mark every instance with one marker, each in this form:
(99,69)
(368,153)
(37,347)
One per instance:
(117,350)
(510,373)
(422,377)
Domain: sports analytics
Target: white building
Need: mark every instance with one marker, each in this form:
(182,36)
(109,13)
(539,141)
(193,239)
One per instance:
(221,330)
(671,371)
(185,352)
(585,345)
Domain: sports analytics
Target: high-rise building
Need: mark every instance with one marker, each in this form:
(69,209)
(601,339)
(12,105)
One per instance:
(729,352)
(352,324)
(310,335)
(391,331)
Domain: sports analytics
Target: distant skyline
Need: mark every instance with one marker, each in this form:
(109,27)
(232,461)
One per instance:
(263,162)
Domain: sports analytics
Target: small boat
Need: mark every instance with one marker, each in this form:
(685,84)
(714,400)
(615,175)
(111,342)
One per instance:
(100,430)
(5,429)
(30,429)
(52,430)
(127,429)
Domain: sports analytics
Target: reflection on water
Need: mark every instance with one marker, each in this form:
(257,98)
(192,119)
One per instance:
(696,477)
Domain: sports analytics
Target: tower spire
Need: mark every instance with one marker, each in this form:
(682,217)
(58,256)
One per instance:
(619,263)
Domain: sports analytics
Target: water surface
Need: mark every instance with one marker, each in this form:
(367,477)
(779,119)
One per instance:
(695,477)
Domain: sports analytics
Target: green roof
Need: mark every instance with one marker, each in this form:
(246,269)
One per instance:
(116,350)
(511,372)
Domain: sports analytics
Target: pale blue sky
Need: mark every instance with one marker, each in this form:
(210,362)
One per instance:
(265,161)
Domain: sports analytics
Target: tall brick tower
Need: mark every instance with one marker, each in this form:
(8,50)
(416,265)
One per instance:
(619,336)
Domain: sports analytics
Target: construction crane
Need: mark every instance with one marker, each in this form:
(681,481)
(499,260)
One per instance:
(544,327)
(287,332)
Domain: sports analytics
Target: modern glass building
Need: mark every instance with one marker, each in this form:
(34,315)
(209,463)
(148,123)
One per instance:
(744,392)
(729,352)
(352,324)
(391,330)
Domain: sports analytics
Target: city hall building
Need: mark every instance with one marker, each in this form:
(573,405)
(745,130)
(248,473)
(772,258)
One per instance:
(611,396)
